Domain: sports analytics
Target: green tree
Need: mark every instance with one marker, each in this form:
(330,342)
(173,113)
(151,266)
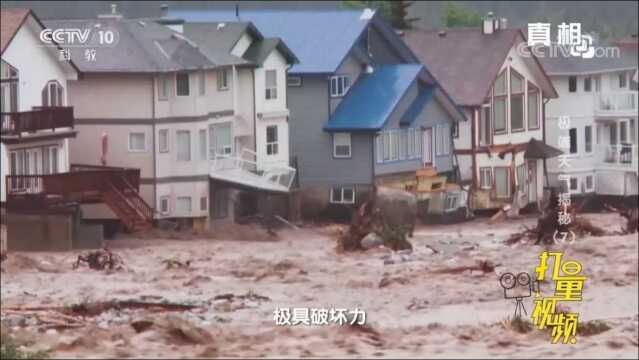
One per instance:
(456,16)
(399,15)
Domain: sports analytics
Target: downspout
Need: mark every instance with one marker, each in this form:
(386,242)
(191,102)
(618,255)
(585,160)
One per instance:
(543,137)
(153,94)
(473,147)
(254,112)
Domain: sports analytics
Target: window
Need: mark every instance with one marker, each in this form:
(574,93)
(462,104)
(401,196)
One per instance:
(597,83)
(623,132)
(46,161)
(573,140)
(271,84)
(533,107)
(451,201)
(222,80)
(339,85)
(163,87)
(342,145)
(516,101)
(202,143)
(294,81)
(521,178)
(54,160)
(499,106)
(52,94)
(201,83)
(182,84)
(623,80)
(442,144)
(574,184)
(183,205)
(455,127)
(163,141)
(137,142)
(164,205)
(271,140)
(220,140)
(183,140)
(484,125)
(485,178)
(342,195)
(590,183)
(502,182)
(588,84)
(572,84)
(588,138)
(203,204)
(394,145)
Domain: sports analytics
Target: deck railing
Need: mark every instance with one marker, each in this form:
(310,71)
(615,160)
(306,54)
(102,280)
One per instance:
(617,102)
(271,173)
(39,118)
(622,156)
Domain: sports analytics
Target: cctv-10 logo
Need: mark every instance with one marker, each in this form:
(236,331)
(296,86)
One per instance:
(79,37)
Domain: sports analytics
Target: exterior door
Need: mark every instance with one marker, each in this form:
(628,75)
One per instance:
(532,180)
(427,151)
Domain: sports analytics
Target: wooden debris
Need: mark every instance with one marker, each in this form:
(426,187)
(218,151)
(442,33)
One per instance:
(630,214)
(485,266)
(176,264)
(102,259)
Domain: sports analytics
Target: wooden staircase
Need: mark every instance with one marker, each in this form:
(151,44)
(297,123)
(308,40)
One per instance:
(125,201)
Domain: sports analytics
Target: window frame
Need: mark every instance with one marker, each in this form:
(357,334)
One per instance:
(449,196)
(588,84)
(188,83)
(588,144)
(532,90)
(294,84)
(500,97)
(201,83)
(342,199)
(272,147)
(489,131)
(131,150)
(442,141)
(168,205)
(345,83)
(576,137)
(168,146)
(47,92)
(508,181)
(573,84)
(622,78)
(177,207)
(163,88)
(202,145)
(204,203)
(222,80)
(483,170)
(177,145)
(270,91)
(522,96)
(592,180)
(342,139)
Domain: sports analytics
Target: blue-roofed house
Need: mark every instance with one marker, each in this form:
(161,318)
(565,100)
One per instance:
(363,109)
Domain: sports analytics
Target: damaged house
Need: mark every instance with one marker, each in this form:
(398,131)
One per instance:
(599,96)
(42,188)
(363,110)
(200,110)
(501,148)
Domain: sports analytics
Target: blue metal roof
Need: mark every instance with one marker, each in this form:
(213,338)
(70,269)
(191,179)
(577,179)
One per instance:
(372,99)
(320,38)
(416,107)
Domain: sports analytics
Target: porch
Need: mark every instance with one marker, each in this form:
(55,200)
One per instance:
(24,123)
(618,103)
(116,187)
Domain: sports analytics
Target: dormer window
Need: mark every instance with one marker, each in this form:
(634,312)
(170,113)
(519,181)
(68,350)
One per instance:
(271,84)
(53,94)
(340,85)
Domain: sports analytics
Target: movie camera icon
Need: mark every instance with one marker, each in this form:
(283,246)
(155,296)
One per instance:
(518,287)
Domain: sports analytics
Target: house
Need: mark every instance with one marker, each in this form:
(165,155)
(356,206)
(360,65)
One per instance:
(40,187)
(500,149)
(363,111)
(599,98)
(200,110)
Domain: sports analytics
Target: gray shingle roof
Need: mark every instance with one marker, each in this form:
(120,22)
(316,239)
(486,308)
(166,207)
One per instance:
(216,41)
(142,46)
(465,61)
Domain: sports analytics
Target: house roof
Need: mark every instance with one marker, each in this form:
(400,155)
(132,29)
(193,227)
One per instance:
(143,46)
(574,65)
(216,41)
(372,99)
(11,20)
(465,61)
(424,97)
(308,32)
(260,49)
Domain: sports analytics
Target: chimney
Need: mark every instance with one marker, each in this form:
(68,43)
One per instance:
(164,10)
(490,24)
(114,14)
(441,33)
(503,23)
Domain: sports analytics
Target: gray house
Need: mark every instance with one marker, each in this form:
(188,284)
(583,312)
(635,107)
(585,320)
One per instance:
(363,110)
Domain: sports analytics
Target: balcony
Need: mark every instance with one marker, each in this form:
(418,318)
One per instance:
(16,124)
(616,103)
(620,157)
(244,172)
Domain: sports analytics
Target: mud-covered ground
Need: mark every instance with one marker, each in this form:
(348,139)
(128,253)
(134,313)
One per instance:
(414,306)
